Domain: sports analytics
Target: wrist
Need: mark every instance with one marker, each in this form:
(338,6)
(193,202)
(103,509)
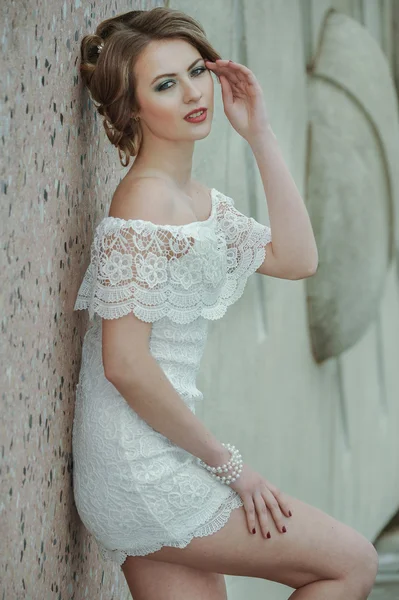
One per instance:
(229,471)
(262,136)
(219,456)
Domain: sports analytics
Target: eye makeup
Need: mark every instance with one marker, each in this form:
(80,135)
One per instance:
(161,87)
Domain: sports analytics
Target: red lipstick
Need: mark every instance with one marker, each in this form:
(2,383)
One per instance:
(199,118)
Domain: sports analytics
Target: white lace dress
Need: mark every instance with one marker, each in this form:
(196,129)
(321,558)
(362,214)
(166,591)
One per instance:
(135,490)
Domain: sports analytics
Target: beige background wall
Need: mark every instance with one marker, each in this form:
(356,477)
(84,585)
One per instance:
(326,433)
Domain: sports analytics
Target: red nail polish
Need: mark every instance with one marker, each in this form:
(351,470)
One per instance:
(290,513)
(268,535)
(284,529)
(254,530)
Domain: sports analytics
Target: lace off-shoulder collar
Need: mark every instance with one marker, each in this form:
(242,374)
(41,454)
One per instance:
(117,221)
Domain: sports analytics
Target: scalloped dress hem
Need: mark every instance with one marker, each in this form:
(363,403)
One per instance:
(212,525)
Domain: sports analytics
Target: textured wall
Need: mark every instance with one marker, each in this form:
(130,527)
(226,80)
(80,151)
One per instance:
(325,433)
(58,171)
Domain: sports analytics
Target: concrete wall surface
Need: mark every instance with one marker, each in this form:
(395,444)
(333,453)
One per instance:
(323,431)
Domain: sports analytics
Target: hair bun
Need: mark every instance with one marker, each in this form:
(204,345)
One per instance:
(91,47)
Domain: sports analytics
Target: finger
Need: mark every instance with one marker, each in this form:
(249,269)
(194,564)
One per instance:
(233,82)
(225,70)
(238,69)
(212,70)
(274,508)
(250,513)
(232,78)
(261,509)
(238,82)
(280,497)
(226,89)
(246,82)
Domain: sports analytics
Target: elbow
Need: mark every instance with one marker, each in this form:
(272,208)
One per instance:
(306,272)
(109,375)
(120,377)
(312,270)
(110,368)
(116,374)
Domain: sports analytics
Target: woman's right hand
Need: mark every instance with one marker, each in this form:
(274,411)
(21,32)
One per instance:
(258,493)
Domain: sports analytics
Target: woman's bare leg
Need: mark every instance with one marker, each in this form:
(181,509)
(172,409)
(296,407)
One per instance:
(337,590)
(153,580)
(319,556)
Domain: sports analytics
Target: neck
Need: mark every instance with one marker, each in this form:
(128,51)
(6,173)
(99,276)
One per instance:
(168,159)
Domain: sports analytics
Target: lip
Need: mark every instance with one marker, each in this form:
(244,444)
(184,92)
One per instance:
(196,110)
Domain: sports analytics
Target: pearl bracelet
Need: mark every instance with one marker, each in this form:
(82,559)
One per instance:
(234,465)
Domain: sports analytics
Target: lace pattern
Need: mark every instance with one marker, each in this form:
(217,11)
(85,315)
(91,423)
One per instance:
(179,271)
(134,489)
(213,524)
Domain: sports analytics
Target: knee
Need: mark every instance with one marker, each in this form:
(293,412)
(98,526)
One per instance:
(364,568)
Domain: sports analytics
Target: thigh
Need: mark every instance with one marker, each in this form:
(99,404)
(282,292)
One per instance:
(316,546)
(151,580)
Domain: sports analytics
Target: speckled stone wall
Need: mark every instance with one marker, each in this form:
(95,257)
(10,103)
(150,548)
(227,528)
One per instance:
(58,170)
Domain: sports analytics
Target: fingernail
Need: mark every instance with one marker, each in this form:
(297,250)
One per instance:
(230,61)
(268,534)
(254,530)
(284,529)
(290,513)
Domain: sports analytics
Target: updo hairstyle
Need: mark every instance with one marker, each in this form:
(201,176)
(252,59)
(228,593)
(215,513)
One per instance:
(107,60)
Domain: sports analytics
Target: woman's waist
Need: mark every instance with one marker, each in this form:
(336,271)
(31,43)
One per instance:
(179,365)
(106,426)
(181,375)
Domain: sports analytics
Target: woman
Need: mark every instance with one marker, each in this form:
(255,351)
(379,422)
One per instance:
(165,499)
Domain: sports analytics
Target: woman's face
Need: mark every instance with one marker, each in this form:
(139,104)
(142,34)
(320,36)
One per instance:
(165,100)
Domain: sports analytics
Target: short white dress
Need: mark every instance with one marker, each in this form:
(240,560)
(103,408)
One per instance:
(135,490)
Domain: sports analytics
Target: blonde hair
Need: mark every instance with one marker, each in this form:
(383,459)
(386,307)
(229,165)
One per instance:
(108,57)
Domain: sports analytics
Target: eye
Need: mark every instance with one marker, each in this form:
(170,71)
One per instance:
(199,70)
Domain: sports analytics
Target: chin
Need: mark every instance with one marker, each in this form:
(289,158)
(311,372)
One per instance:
(203,135)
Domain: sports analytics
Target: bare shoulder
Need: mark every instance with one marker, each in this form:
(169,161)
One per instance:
(200,187)
(145,198)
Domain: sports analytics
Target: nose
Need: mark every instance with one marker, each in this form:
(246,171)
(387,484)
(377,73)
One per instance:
(192,92)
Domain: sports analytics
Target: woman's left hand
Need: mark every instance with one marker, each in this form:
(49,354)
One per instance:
(242,97)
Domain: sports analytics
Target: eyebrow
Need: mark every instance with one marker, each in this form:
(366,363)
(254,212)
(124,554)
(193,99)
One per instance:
(174,74)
